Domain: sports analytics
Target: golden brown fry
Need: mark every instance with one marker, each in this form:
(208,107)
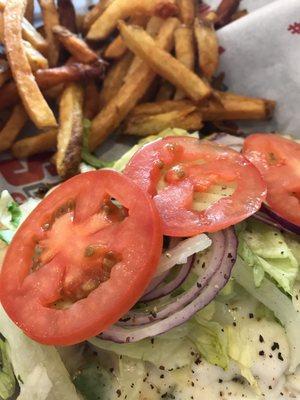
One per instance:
(12,128)
(35,144)
(225,11)
(29,13)
(211,17)
(131,92)
(187,11)
(161,107)
(184,50)
(75,45)
(163,63)
(92,15)
(239,14)
(32,98)
(208,48)
(144,125)
(67,15)
(35,58)
(69,138)
(54,92)
(5,73)
(122,9)
(114,79)
(236,107)
(51,19)
(91,103)
(165,91)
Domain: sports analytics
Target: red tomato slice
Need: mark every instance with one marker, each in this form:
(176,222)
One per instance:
(278,160)
(178,171)
(80,261)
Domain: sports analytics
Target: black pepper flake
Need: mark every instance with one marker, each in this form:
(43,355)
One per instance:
(119,392)
(111,370)
(229,255)
(234,323)
(192,353)
(275,346)
(199,285)
(270,387)
(261,353)
(132,385)
(270,356)
(152,340)
(251,315)
(153,314)
(203,265)
(144,380)
(152,387)
(192,383)
(221,394)
(198,361)
(261,339)
(162,367)
(280,357)
(220,380)
(162,376)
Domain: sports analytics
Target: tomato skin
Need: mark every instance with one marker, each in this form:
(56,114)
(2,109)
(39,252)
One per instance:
(188,165)
(278,160)
(138,238)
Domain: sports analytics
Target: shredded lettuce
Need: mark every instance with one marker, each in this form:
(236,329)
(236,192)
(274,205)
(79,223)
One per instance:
(34,363)
(7,378)
(268,252)
(131,371)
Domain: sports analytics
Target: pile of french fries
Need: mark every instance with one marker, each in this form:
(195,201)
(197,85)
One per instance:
(137,66)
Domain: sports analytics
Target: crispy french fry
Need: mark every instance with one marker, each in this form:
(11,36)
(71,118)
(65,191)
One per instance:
(208,48)
(117,48)
(114,79)
(139,42)
(54,92)
(236,107)
(91,103)
(51,19)
(184,50)
(5,73)
(187,11)
(122,9)
(35,144)
(161,107)
(239,14)
(131,92)
(144,125)
(165,92)
(75,45)
(211,17)
(92,15)
(69,138)
(35,58)
(13,127)
(67,15)
(153,26)
(32,98)
(29,13)
(79,23)
(225,11)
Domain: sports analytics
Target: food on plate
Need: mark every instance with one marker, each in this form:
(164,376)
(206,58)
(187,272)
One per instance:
(67,15)
(32,98)
(91,100)
(5,73)
(70,132)
(187,10)
(35,144)
(35,58)
(225,11)
(12,127)
(91,16)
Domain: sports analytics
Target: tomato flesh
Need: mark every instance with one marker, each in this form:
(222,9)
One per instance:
(278,160)
(176,170)
(81,259)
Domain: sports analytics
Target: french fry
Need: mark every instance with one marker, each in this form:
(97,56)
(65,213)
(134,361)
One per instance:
(184,50)
(92,15)
(51,19)
(211,17)
(122,9)
(165,91)
(161,107)
(70,132)
(35,58)
(236,107)
(144,125)
(114,79)
(225,11)
(12,128)
(117,48)
(32,98)
(208,48)
(35,144)
(75,45)
(131,92)
(5,73)
(29,13)
(54,92)
(140,43)
(67,15)
(239,14)
(91,103)
(187,11)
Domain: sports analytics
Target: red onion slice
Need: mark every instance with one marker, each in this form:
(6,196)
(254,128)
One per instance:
(119,334)
(234,142)
(215,256)
(284,224)
(165,289)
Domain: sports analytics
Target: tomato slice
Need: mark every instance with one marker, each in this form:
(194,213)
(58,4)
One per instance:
(197,186)
(82,258)
(278,160)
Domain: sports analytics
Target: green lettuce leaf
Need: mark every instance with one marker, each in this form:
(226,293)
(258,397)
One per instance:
(268,252)
(7,378)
